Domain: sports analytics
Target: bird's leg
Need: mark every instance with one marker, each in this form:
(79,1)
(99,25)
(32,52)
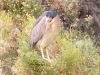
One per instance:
(42,53)
(47,54)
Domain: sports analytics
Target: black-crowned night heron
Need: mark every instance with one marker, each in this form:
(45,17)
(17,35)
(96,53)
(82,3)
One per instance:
(45,31)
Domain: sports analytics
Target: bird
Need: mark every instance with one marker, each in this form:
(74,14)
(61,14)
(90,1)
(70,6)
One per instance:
(44,31)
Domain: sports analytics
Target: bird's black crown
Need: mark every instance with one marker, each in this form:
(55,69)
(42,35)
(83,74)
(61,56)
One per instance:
(51,14)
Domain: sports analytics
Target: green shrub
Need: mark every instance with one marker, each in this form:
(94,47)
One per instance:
(30,62)
(6,23)
(22,7)
(72,59)
(89,51)
(77,52)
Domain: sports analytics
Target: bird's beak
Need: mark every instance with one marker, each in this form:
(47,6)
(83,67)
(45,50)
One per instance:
(47,22)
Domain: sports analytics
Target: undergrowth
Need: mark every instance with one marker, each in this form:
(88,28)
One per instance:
(78,55)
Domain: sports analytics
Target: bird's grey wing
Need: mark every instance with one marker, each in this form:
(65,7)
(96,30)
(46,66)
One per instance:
(38,31)
(40,17)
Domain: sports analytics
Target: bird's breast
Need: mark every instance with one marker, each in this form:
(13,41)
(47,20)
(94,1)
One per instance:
(50,34)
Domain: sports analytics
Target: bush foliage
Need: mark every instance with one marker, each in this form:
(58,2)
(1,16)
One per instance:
(77,56)
(77,52)
(22,7)
(66,63)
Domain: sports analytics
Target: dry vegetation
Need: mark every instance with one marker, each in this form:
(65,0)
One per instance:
(76,50)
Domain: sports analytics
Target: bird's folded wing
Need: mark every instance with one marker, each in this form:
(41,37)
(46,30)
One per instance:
(40,18)
(38,31)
